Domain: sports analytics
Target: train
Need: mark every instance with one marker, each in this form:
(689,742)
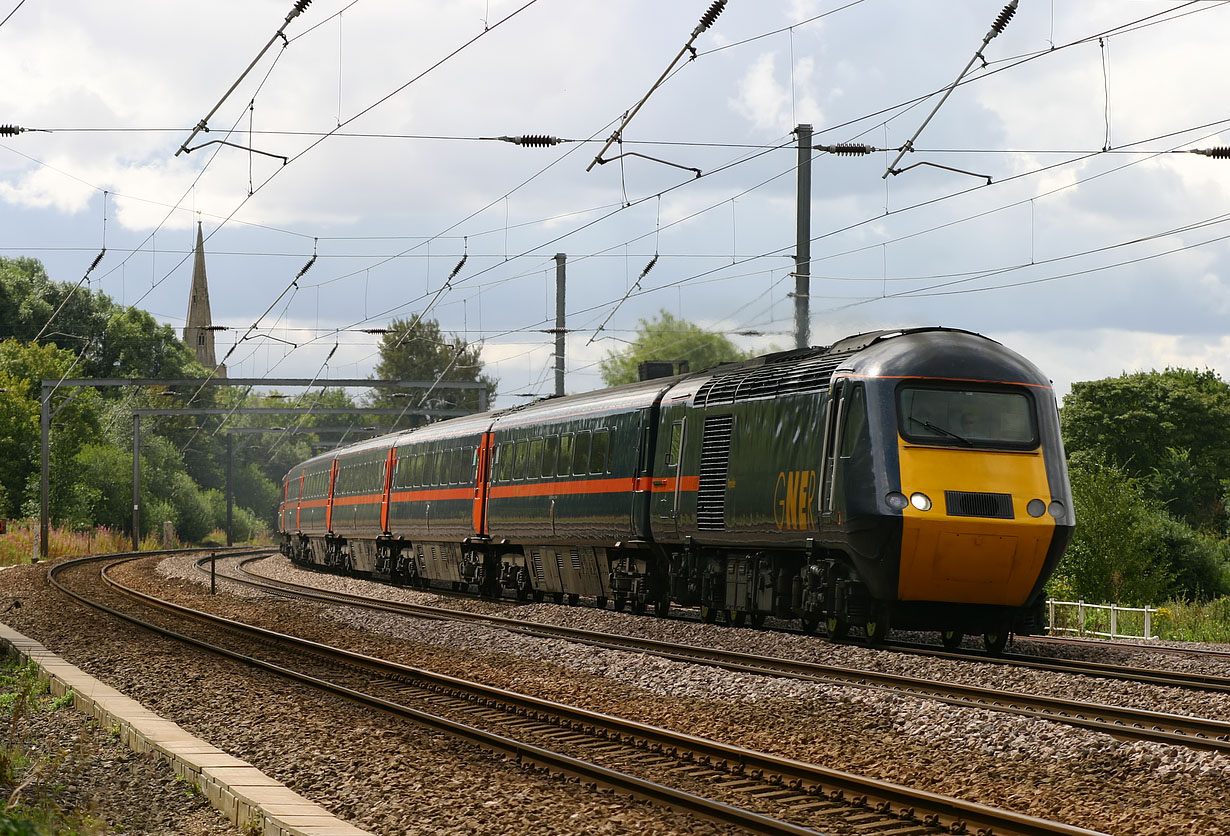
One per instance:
(911,478)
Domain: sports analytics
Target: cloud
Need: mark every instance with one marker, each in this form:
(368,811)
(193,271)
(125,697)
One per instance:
(775,105)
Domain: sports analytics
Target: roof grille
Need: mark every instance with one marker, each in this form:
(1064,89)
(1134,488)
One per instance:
(994,505)
(760,382)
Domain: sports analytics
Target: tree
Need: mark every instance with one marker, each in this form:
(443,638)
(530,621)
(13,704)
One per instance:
(669,339)
(1169,430)
(419,350)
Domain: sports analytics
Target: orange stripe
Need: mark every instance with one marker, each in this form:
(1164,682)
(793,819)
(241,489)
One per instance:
(686,483)
(433,494)
(588,486)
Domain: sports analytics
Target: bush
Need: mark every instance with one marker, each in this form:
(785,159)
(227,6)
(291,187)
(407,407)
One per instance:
(1117,552)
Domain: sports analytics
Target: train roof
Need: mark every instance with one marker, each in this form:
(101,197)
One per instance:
(927,352)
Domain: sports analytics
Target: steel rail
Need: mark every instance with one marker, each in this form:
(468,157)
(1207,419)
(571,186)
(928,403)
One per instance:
(1128,673)
(519,751)
(930,809)
(1107,644)
(1120,721)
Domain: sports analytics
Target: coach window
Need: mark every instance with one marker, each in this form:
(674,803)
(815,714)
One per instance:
(672,453)
(598,455)
(565,454)
(580,454)
(535,466)
(506,462)
(519,458)
(450,471)
(550,453)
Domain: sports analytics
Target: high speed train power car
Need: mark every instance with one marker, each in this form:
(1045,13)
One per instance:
(913,478)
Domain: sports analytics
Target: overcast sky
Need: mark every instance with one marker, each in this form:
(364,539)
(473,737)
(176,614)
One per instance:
(1093,250)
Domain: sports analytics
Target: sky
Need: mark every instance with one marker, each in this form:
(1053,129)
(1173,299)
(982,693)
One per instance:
(1050,203)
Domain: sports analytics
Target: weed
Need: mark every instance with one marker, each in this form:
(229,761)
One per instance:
(65,701)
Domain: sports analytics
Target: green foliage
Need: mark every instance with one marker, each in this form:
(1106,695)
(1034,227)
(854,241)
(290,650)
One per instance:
(1183,621)
(669,339)
(1169,430)
(1128,550)
(419,350)
(1113,556)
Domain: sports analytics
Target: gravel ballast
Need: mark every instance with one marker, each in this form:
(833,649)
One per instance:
(388,778)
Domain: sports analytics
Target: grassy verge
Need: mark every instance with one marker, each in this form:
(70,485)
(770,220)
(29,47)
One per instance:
(30,781)
(17,546)
(1181,621)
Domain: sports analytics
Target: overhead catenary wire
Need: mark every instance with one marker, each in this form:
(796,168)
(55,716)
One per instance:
(706,20)
(997,28)
(203,125)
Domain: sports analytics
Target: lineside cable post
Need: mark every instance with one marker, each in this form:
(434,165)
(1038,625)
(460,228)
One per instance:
(561,259)
(802,250)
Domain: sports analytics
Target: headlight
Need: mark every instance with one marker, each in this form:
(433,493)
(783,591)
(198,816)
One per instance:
(896,501)
(920,501)
(1036,507)
(1057,510)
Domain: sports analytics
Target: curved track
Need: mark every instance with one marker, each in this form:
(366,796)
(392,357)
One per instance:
(1127,723)
(599,749)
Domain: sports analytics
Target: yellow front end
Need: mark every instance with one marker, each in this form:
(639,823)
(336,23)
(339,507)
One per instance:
(972,559)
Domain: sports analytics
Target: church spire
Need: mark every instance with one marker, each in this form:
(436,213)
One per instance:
(198,332)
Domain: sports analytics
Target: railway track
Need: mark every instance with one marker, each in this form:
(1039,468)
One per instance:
(1169,650)
(755,791)
(1121,722)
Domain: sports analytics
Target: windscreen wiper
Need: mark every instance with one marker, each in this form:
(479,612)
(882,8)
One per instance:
(942,431)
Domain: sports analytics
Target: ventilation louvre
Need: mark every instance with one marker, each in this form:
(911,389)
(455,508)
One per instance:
(714,467)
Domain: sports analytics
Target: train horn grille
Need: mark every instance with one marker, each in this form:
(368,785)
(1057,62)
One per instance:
(964,504)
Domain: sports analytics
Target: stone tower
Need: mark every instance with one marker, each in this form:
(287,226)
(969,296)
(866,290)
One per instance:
(198,332)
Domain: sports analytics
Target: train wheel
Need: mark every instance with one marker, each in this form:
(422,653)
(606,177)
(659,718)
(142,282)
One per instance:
(638,607)
(876,631)
(837,627)
(573,598)
(735,618)
(619,603)
(600,602)
(757,619)
(558,597)
(708,614)
(995,641)
(876,627)
(809,623)
(951,639)
(539,596)
(662,607)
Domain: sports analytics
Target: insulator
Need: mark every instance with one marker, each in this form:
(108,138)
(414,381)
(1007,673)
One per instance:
(1219,153)
(1001,22)
(532,140)
(300,6)
(851,149)
(709,16)
(457,269)
(11,130)
(97,259)
(306,267)
(648,267)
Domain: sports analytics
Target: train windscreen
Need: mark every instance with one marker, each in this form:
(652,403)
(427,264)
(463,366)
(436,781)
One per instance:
(967,417)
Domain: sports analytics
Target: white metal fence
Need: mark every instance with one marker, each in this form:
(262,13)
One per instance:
(1105,620)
